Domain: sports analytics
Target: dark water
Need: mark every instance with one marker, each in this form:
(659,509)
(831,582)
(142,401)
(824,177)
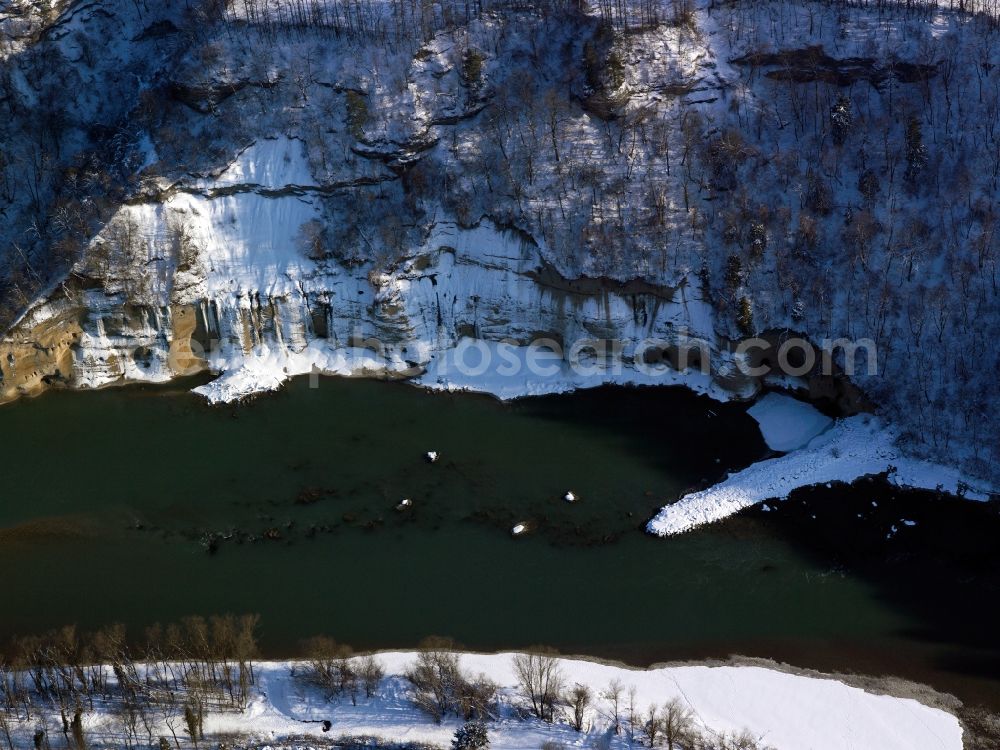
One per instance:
(145,505)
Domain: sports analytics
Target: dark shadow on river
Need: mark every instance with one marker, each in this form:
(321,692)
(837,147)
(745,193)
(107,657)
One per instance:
(941,570)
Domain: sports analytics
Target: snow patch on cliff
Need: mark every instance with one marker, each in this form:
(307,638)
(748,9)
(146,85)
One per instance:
(249,241)
(508,371)
(269,164)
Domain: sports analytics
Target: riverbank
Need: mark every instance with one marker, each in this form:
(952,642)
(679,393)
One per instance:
(778,708)
(781,710)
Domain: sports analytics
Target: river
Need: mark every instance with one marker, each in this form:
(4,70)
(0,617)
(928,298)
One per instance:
(143,504)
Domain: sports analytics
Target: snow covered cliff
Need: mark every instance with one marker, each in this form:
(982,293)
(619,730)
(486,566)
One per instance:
(270,190)
(219,279)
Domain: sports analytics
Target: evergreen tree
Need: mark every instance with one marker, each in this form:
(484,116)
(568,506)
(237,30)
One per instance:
(758,238)
(734,272)
(471,736)
(818,196)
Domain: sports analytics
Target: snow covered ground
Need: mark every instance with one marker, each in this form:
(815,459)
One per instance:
(787,423)
(852,448)
(782,710)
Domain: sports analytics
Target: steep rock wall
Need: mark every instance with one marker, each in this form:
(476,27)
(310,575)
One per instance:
(216,273)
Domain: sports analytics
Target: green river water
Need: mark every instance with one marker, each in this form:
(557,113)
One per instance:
(144,504)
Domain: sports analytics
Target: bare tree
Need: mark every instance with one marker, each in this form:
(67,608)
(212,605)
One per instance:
(435,677)
(540,680)
(676,723)
(651,724)
(371,672)
(633,712)
(5,728)
(579,700)
(477,697)
(613,695)
(325,665)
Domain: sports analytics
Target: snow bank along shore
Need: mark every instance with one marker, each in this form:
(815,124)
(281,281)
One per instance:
(781,710)
(821,450)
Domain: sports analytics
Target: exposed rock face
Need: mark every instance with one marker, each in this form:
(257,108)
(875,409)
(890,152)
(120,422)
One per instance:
(223,274)
(810,64)
(217,276)
(39,351)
